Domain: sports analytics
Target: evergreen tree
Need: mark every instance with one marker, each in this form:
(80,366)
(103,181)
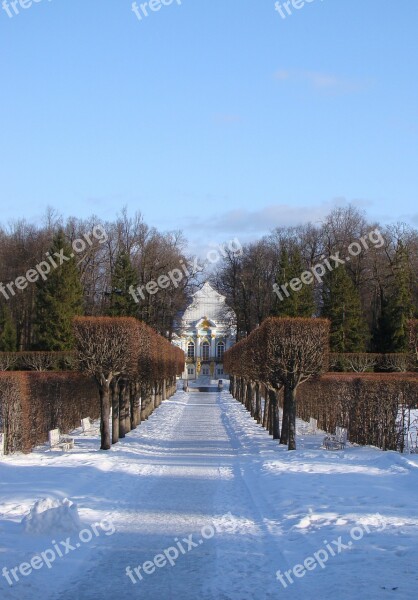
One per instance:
(296,304)
(122,304)
(7,330)
(397,307)
(58,300)
(341,304)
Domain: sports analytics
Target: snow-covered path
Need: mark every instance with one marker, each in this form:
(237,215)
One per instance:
(202,482)
(195,483)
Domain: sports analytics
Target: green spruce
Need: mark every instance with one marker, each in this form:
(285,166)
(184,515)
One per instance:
(397,306)
(341,304)
(294,303)
(122,304)
(58,300)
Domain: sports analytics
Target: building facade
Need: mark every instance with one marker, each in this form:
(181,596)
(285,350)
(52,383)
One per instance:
(207,330)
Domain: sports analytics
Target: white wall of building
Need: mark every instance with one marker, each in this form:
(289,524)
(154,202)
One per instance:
(207,330)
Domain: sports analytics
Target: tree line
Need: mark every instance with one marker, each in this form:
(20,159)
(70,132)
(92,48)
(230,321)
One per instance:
(94,282)
(369,299)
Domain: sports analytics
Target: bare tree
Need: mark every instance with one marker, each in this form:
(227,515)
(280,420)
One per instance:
(297,349)
(106,348)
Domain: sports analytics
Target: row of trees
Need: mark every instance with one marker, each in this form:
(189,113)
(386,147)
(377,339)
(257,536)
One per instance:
(368,300)
(284,353)
(134,367)
(281,354)
(94,282)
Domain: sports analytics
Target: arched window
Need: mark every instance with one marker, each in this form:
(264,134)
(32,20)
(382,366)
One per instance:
(220,349)
(190,350)
(205,350)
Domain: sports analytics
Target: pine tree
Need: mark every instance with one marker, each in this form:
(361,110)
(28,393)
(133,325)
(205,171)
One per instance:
(7,330)
(397,307)
(122,304)
(341,304)
(58,300)
(295,304)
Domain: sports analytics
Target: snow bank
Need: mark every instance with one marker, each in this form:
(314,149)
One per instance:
(49,517)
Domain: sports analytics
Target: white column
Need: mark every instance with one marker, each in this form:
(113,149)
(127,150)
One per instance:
(213,349)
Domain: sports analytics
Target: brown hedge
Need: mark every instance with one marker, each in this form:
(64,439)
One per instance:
(37,361)
(367,404)
(363,362)
(413,343)
(33,403)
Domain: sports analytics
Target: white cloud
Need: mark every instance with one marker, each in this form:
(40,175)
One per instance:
(323,81)
(226,119)
(249,225)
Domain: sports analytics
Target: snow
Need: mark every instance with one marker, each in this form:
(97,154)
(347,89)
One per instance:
(49,516)
(202,480)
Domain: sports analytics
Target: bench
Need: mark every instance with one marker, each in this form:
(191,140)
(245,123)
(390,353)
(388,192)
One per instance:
(86,424)
(309,428)
(63,442)
(413,444)
(313,425)
(337,441)
(2,444)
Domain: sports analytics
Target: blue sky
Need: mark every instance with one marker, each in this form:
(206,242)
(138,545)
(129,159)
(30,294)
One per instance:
(219,117)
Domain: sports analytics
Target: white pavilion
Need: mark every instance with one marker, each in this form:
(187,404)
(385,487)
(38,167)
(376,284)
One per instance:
(207,329)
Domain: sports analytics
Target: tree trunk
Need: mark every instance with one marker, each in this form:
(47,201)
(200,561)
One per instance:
(132,405)
(284,438)
(274,402)
(292,419)
(242,390)
(127,407)
(136,405)
(250,398)
(122,431)
(266,410)
(257,413)
(115,412)
(139,406)
(144,402)
(271,407)
(105,415)
(232,385)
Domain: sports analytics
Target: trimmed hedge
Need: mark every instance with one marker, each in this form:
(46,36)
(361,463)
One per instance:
(366,404)
(33,403)
(413,343)
(363,362)
(37,361)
